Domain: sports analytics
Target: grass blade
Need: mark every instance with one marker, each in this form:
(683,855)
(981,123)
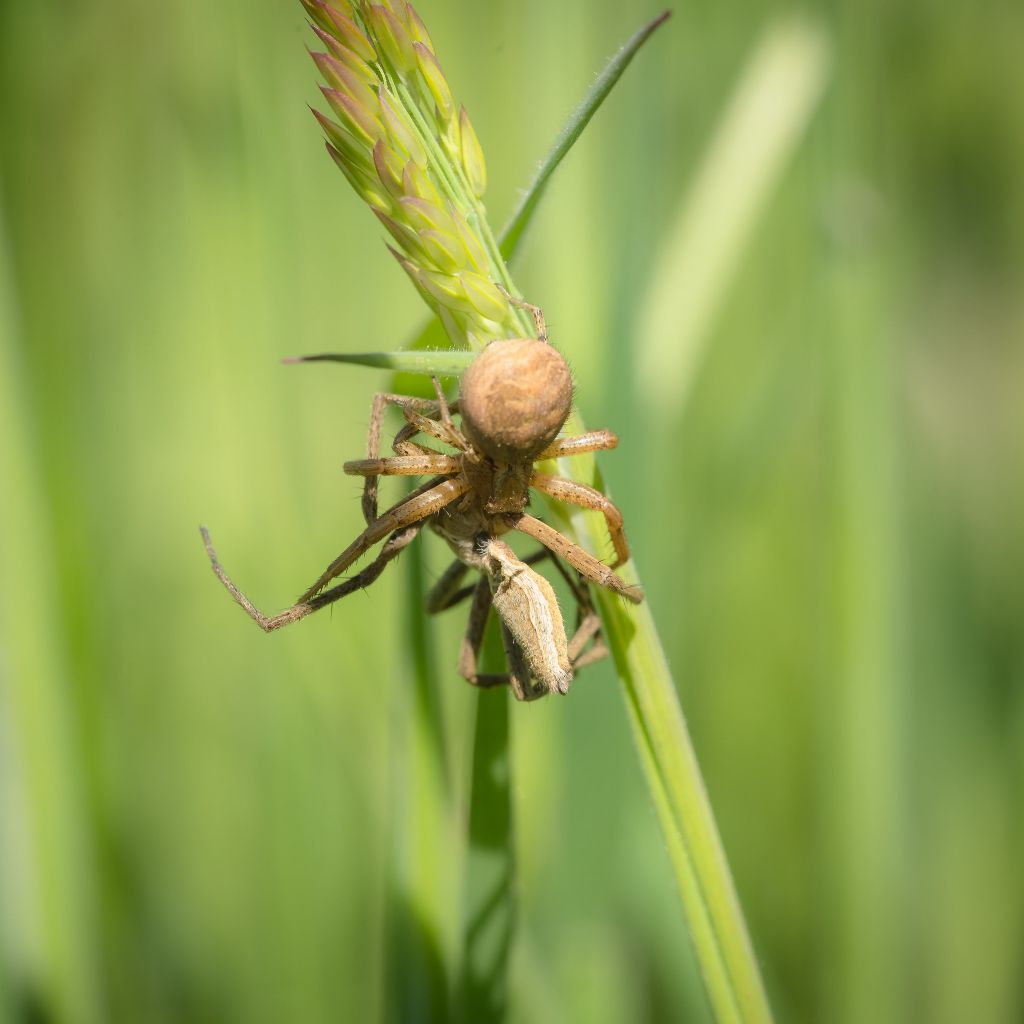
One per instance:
(713,914)
(424,891)
(490,895)
(512,233)
(47,884)
(763,123)
(712,909)
(444,363)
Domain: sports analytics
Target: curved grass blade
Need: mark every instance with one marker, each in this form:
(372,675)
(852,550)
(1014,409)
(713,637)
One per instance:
(444,363)
(571,131)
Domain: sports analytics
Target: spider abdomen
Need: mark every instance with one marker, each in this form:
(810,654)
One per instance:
(515,397)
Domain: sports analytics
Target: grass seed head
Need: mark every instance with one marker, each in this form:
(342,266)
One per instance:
(410,151)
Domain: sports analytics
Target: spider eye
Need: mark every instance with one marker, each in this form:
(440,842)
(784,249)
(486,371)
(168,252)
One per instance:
(515,396)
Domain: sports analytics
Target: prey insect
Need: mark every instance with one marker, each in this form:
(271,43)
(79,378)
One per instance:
(514,399)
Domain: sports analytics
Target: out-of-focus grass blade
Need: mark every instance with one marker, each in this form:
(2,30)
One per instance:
(445,363)
(423,917)
(867,800)
(490,880)
(45,887)
(761,127)
(571,131)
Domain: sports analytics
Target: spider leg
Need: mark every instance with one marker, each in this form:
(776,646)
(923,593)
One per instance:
(381,400)
(446,592)
(399,540)
(582,561)
(405,465)
(535,311)
(443,412)
(592,441)
(444,431)
(588,622)
(575,493)
(410,510)
(472,641)
(588,627)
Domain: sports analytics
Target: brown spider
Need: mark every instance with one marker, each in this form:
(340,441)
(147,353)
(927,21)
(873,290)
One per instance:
(514,399)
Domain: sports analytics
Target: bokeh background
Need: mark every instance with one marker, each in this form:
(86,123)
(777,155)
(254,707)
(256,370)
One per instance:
(824,497)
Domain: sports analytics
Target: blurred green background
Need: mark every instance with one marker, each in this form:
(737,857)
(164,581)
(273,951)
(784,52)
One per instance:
(200,823)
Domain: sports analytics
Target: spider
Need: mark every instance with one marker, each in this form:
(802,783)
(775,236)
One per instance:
(513,400)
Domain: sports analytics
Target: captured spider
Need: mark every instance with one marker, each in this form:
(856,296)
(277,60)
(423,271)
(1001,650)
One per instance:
(514,398)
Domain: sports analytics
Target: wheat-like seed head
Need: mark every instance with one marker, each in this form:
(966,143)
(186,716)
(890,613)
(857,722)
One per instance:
(411,153)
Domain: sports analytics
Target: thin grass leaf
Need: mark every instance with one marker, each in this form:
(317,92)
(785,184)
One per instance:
(490,878)
(760,129)
(702,873)
(571,131)
(443,363)
(422,918)
(713,914)
(51,905)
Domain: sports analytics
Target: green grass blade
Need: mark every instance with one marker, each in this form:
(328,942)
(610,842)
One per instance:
(490,895)
(713,914)
(444,363)
(423,923)
(712,909)
(512,233)
(763,123)
(47,881)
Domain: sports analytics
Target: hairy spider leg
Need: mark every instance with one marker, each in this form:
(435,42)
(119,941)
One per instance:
(574,493)
(401,445)
(582,561)
(591,441)
(454,435)
(588,622)
(399,540)
(473,638)
(448,590)
(445,432)
(433,463)
(535,311)
(419,505)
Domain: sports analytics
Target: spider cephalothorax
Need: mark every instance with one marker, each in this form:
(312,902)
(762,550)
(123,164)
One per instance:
(514,399)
